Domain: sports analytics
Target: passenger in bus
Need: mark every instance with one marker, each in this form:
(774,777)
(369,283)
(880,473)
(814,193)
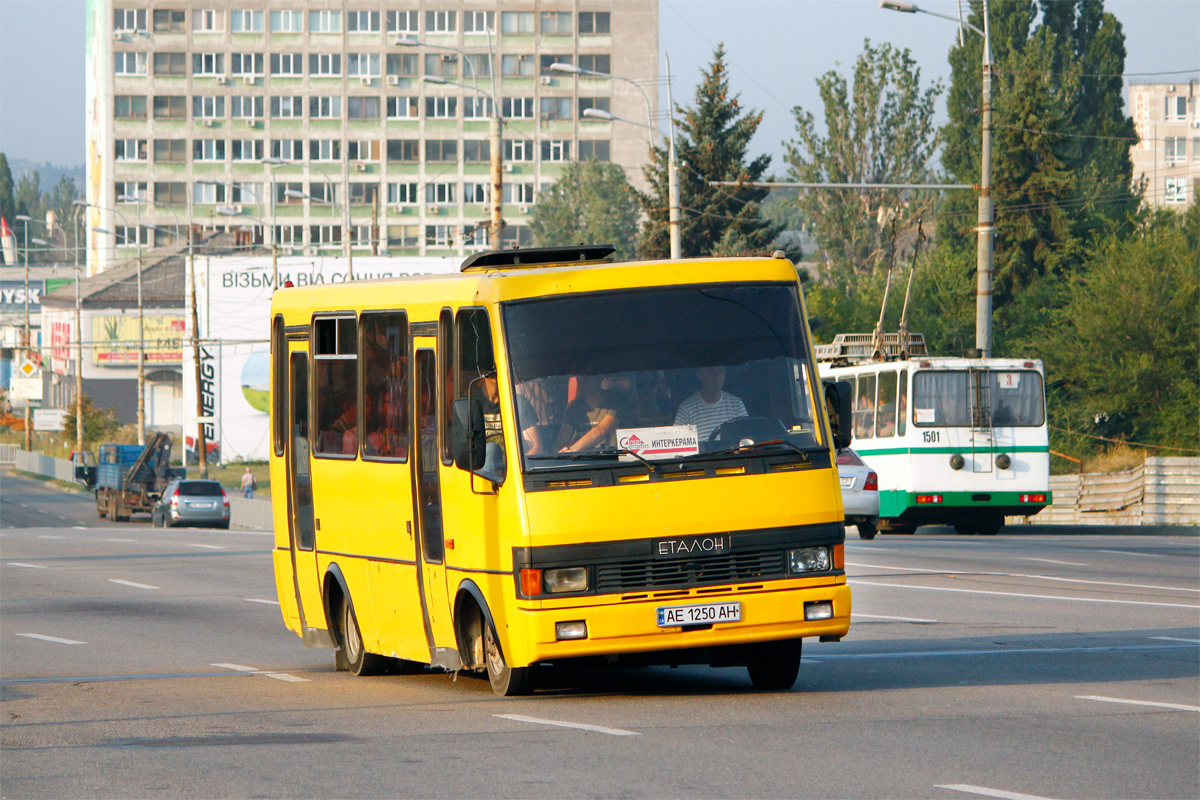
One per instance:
(342,436)
(590,420)
(864,417)
(711,405)
(493,430)
(887,420)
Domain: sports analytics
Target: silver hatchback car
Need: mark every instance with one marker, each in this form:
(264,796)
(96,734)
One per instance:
(192,502)
(860,493)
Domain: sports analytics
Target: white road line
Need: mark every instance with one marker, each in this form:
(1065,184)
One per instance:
(235,667)
(50,638)
(80,528)
(983,790)
(134,585)
(283,676)
(116,540)
(1127,553)
(1028,596)
(1052,561)
(257,600)
(207,546)
(1175,706)
(27,566)
(581,726)
(1173,639)
(48,536)
(898,619)
(1015,651)
(968,574)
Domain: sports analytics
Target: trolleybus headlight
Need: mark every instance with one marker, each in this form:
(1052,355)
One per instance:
(565,579)
(1003,461)
(809,559)
(956,461)
(576,629)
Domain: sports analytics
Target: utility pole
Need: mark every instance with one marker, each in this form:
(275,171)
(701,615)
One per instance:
(987,228)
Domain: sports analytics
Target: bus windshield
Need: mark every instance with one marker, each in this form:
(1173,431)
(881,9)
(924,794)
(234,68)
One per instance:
(666,373)
(946,398)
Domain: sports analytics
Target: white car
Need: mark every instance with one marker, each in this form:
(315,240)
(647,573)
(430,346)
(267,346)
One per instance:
(860,493)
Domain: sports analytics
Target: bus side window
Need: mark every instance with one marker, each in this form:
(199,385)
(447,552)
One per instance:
(885,417)
(335,367)
(902,404)
(477,361)
(864,407)
(385,385)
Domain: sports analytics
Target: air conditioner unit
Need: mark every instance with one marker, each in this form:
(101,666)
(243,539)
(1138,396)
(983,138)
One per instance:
(547,80)
(208,123)
(310,251)
(365,81)
(250,123)
(1196,125)
(248,79)
(523,209)
(1171,88)
(237,208)
(393,80)
(451,57)
(359,166)
(431,209)
(223,80)
(507,167)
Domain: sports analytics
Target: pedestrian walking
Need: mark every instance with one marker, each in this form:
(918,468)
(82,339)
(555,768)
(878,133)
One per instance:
(249,484)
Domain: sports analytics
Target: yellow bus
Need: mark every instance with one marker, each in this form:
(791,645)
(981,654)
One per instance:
(551,458)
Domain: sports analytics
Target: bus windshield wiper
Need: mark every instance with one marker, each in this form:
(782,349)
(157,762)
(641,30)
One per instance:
(745,448)
(591,453)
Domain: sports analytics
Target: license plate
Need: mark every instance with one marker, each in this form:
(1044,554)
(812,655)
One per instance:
(707,614)
(200,505)
(847,481)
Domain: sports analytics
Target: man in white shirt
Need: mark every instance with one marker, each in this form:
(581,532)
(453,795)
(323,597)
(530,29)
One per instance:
(711,406)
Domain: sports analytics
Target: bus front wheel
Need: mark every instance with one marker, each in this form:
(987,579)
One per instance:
(775,665)
(359,661)
(506,681)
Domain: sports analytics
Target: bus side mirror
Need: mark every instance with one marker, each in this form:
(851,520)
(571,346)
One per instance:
(466,434)
(839,403)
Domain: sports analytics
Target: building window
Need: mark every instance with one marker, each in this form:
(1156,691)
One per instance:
(246,21)
(444,64)
(362,21)
(403,235)
(207,20)
(1175,149)
(1195,149)
(556,22)
(441,150)
(172,193)
(1176,191)
(323,192)
(170,107)
(246,107)
(208,149)
(247,149)
(129,20)
(322,107)
(324,149)
(477,65)
(477,193)
(362,65)
(246,63)
(517,107)
(208,193)
(327,65)
(600,103)
(403,150)
(402,194)
(520,193)
(598,149)
(477,150)
(440,21)
(130,150)
(403,22)
(556,108)
(594,22)
(168,20)
(287,107)
(516,22)
(439,236)
(518,150)
(367,150)
(439,193)
(129,189)
(289,193)
(202,63)
(363,107)
(477,107)
(287,22)
(1176,108)
(324,22)
(596,63)
(289,234)
(402,108)
(127,235)
(287,64)
(129,63)
(208,107)
(170,63)
(516,236)
(556,150)
(404,64)
(441,107)
(325,234)
(547,60)
(364,194)
(514,66)
(287,149)
(171,150)
(245,192)
(129,106)
(479,21)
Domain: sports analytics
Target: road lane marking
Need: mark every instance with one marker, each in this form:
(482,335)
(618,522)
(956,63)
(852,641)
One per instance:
(256,600)
(50,638)
(897,619)
(1127,553)
(1027,596)
(117,540)
(967,574)
(23,564)
(134,585)
(1116,648)
(48,536)
(1173,639)
(1175,706)
(1052,561)
(208,546)
(279,676)
(235,667)
(579,725)
(985,791)
(283,676)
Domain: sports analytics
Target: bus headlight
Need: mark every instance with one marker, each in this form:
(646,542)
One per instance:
(565,579)
(809,559)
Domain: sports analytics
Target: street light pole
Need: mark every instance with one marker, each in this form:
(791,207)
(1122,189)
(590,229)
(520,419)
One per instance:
(986,225)
(78,342)
(25,220)
(141,351)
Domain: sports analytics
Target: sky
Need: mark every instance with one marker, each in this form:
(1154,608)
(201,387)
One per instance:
(775,49)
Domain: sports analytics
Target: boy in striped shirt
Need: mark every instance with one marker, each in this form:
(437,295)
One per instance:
(711,406)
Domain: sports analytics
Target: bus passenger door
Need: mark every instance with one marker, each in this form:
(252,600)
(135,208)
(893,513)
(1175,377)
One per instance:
(427,497)
(300,504)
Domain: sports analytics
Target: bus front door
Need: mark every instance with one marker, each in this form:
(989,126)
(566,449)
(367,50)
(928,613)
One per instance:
(300,507)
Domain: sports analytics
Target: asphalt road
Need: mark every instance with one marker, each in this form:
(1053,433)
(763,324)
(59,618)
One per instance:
(137,662)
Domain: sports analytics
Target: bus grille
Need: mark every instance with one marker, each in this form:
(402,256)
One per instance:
(747,565)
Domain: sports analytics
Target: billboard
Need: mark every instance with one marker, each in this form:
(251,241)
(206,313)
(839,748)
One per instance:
(115,339)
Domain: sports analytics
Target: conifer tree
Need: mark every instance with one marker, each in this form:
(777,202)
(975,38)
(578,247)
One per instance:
(591,203)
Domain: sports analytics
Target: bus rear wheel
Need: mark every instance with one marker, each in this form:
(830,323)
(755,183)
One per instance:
(358,660)
(774,666)
(506,681)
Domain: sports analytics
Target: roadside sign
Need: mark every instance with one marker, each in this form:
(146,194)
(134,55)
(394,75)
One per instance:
(49,419)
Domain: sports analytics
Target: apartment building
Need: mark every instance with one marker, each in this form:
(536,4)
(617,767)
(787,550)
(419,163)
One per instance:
(1167,154)
(309,124)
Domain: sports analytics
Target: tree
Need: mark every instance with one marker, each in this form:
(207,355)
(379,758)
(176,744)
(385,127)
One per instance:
(8,200)
(711,139)
(880,130)
(591,203)
(98,424)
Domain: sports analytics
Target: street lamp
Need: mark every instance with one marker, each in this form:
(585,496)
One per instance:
(571,69)
(986,225)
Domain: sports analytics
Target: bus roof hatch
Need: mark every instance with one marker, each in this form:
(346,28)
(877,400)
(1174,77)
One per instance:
(538,257)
